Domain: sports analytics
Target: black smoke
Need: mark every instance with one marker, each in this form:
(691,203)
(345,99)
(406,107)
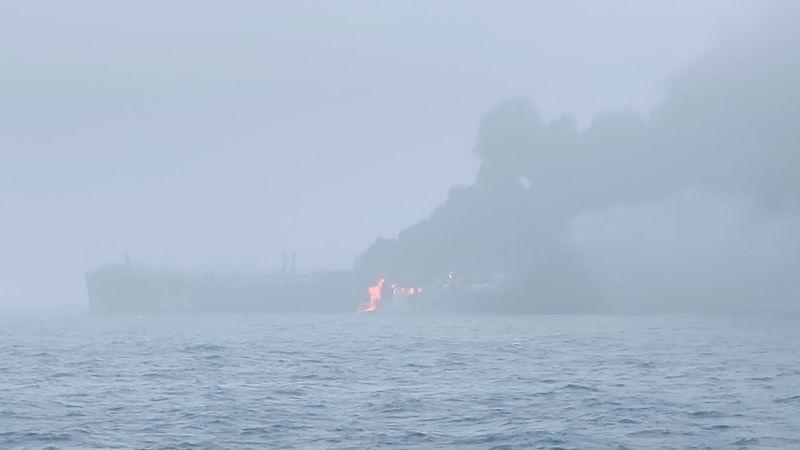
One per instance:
(694,207)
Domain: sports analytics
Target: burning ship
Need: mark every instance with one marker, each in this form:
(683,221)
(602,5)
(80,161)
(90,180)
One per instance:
(138,289)
(129,288)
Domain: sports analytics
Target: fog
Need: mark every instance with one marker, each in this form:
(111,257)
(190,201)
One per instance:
(645,161)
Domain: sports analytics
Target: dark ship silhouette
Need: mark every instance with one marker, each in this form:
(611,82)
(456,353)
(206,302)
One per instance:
(139,289)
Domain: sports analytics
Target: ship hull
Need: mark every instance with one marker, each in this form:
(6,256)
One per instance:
(142,290)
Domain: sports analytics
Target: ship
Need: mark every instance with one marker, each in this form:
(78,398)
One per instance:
(140,289)
(136,289)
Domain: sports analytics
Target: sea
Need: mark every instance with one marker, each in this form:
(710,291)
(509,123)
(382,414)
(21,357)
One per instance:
(393,381)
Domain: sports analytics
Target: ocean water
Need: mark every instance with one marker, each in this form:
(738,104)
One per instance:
(394,381)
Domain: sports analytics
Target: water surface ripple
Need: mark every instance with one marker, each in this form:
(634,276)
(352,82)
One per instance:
(395,381)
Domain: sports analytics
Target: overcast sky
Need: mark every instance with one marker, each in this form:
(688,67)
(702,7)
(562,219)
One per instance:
(215,135)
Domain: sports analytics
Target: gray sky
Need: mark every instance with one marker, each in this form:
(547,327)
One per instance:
(202,134)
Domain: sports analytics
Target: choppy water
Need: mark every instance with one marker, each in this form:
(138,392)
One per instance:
(400,382)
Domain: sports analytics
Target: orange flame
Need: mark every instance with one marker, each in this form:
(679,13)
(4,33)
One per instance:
(371,304)
(373,301)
